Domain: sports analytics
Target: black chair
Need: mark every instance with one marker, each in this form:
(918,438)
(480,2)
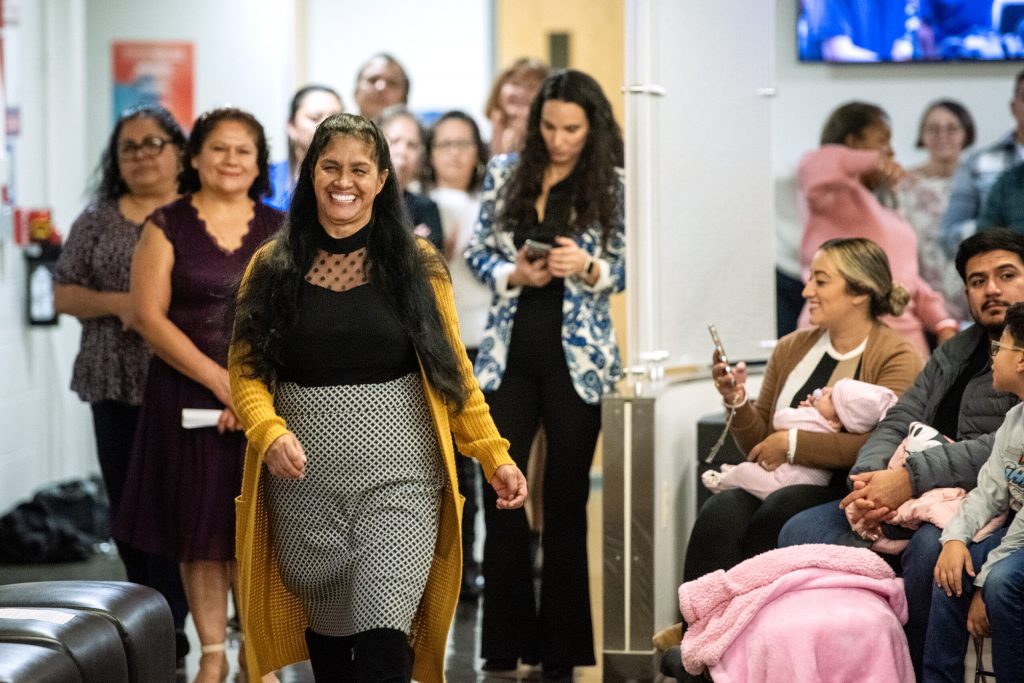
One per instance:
(20,663)
(138,616)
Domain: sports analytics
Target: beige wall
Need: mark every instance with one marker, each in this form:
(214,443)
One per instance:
(596,37)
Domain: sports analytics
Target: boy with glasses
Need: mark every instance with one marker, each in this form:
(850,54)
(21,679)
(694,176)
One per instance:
(986,600)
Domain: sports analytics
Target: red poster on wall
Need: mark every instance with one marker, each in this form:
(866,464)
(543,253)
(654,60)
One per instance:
(155,72)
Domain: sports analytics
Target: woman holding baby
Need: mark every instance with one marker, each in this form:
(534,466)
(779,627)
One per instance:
(849,289)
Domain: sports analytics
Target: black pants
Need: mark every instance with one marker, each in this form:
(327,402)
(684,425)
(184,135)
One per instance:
(734,525)
(114,423)
(537,389)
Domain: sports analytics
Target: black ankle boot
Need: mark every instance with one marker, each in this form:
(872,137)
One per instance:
(382,655)
(331,657)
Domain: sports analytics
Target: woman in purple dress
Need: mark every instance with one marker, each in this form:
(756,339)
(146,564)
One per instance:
(179,498)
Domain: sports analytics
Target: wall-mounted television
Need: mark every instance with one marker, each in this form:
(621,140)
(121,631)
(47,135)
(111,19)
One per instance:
(849,31)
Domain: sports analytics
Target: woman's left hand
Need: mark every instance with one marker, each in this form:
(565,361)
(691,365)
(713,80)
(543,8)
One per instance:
(510,485)
(771,452)
(567,258)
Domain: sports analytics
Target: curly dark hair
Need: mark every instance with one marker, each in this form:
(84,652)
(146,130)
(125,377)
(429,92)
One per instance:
(265,312)
(188,181)
(427,176)
(594,181)
(109,183)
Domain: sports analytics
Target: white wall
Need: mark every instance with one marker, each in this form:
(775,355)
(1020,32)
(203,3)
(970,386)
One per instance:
(445,45)
(45,427)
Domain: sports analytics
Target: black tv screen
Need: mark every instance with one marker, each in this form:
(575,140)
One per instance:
(910,30)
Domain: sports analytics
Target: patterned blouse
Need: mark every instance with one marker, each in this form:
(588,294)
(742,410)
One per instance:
(111,363)
(923,201)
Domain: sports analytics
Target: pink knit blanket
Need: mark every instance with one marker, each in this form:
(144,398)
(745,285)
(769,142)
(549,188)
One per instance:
(719,606)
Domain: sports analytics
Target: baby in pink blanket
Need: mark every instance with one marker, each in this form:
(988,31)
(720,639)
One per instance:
(850,405)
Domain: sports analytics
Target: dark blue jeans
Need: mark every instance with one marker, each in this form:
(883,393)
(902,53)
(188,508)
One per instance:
(827,524)
(1003,593)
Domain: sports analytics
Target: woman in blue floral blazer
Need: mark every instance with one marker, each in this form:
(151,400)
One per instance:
(550,244)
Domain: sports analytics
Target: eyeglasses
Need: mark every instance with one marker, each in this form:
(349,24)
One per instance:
(150,147)
(951,129)
(996,345)
(454,145)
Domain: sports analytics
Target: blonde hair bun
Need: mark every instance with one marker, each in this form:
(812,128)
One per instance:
(899,297)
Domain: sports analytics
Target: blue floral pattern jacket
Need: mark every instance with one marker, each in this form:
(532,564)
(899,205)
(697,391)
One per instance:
(588,339)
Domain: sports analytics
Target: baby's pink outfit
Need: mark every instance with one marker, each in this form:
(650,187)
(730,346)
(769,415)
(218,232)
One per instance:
(937,506)
(800,614)
(859,407)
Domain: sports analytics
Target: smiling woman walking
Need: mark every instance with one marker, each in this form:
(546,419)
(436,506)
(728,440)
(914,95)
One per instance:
(349,378)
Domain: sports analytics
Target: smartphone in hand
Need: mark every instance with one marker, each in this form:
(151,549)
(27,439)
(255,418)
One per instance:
(536,250)
(722,356)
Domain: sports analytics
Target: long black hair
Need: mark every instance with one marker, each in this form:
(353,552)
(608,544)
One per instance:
(265,313)
(110,183)
(188,181)
(594,181)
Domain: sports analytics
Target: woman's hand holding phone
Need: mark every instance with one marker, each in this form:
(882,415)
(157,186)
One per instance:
(729,381)
(530,273)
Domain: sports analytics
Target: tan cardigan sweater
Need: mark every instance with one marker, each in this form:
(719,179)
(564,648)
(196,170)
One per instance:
(888,360)
(272,617)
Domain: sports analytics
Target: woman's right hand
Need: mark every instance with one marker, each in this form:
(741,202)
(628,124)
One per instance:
(286,458)
(730,382)
(529,273)
(954,560)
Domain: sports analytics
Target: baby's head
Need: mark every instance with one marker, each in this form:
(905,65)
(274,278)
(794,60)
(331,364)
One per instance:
(822,400)
(854,405)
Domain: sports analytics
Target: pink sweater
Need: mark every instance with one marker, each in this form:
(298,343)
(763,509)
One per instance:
(836,204)
(722,610)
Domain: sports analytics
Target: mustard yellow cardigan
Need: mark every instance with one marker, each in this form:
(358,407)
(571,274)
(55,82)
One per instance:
(273,620)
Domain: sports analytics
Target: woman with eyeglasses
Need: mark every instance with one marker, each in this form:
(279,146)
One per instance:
(138,172)
(946,129)
(179,497)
